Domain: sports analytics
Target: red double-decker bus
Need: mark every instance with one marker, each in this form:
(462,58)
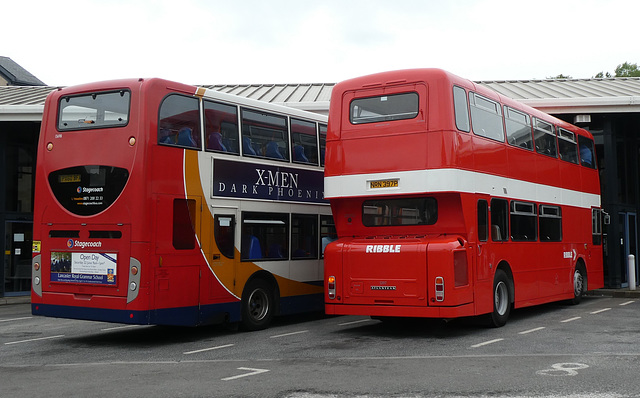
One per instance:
(163,203)
(451,200)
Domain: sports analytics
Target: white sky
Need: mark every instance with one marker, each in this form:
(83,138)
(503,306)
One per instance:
(66,42)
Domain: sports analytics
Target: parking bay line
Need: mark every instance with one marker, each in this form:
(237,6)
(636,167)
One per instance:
(38,339)
(532,330)
(354,322)
(628,302)
(486,343)
(575,318)
(253,372)
(288,334)
(16,319)
(121,327)
(208,349)
(599,311)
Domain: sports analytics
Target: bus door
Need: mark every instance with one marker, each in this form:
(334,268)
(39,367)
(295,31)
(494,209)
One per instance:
(483,271)
(222,253)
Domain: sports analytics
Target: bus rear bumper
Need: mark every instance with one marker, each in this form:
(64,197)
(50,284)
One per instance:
(180,316)
(401,311)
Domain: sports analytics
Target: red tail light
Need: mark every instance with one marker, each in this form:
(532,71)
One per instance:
(331,287)
(439,288)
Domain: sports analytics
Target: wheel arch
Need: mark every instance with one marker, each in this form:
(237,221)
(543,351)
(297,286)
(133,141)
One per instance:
(271,280)
(504,266)
(581,265)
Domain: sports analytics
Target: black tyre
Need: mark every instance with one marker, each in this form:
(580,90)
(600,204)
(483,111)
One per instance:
(501,299)
(579,285)
(258,304)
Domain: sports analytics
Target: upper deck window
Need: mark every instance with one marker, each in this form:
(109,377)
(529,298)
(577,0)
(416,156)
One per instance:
(486,117)
(587,157)
(264,135)
(518,128)
(304,141)
(96,110)
(567,146)
(544,137)
(221,127)
(179,123)
(384,108)
(460,107)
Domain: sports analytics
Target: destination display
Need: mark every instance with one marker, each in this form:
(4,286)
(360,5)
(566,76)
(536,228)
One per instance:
(95,268)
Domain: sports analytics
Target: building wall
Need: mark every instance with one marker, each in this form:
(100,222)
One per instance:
(18,141)
(617,138)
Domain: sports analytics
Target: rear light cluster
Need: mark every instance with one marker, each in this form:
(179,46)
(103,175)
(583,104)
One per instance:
(439,288)
(331,287)
(36,278)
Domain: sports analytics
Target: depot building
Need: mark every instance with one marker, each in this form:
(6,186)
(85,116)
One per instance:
(608,107)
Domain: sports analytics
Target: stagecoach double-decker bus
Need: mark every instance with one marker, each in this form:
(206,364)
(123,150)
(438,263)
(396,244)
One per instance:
(164,203)
(451,200)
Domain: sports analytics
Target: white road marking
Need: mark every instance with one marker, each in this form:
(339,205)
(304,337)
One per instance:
(208,349)
(575,318)
(122,327)
(15,319)
(288,334)
(628,302)
(354,322)
(486,343)
(38,339)
(253,372)
(532,330)
(599,311)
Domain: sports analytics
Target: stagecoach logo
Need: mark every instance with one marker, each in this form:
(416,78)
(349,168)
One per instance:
(71,244)
(259,181)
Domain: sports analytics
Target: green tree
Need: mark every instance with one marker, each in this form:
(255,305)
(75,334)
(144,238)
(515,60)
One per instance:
(600,75)
(627,70)
(560,76)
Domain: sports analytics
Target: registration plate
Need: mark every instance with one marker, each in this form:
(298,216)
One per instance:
(383,184)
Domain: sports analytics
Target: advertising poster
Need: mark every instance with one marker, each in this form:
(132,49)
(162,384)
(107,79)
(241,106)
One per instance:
(94,268)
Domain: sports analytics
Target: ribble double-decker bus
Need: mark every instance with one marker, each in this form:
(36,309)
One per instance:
(451,200)
(164,203)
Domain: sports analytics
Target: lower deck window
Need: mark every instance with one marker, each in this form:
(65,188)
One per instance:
(265,236)
(550,223)
(523,221)
(414,211)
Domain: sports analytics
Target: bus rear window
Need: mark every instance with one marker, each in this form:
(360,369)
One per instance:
(414,211)
(92,111)
(384,108)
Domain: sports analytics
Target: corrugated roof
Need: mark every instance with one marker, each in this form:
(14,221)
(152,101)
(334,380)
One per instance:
(566,88)
(553,96)
(279,93)
(24,95)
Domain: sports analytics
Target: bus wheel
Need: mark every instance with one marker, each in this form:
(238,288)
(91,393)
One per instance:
(501,300)
(578,286)
(257,305)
